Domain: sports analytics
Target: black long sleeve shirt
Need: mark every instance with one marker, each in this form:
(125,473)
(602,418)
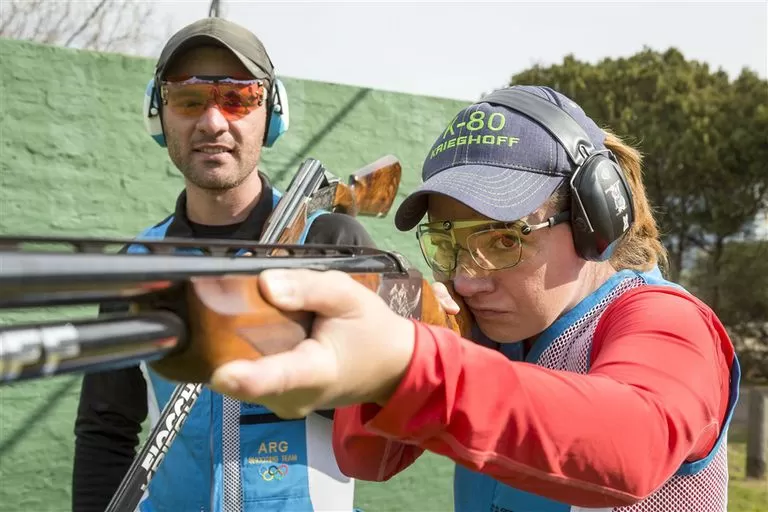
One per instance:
(113,404)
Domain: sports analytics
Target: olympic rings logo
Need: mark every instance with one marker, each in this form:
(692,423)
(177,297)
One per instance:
(274,472)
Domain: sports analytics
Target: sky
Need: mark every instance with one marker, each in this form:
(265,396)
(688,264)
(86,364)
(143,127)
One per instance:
(461,50)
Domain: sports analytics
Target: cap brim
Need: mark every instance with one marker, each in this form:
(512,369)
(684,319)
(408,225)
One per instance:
(195,40)
(498,193)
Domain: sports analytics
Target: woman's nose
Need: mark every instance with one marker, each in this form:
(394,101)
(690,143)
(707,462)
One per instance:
(469,279)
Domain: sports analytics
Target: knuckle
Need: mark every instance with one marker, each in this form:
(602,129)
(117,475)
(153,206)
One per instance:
(290,413)
(313,278)
(336,278)
(336,275)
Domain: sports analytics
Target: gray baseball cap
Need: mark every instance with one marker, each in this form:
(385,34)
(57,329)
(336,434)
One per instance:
(497,161)
(239,40)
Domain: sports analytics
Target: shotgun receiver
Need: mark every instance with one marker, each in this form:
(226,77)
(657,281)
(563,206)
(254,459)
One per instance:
(370,191)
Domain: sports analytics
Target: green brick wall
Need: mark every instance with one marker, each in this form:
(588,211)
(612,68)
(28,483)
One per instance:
(75,160)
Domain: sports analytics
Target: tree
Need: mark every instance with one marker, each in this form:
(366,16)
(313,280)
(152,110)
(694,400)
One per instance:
(125,26)
(702,136)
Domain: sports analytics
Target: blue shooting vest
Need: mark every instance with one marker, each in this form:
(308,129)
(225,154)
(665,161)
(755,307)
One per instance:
(246,459)
(566,345)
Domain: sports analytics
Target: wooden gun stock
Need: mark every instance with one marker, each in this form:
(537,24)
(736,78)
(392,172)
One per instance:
(464,318)
(292,233)
(229,320)
(371,189)
(433,313)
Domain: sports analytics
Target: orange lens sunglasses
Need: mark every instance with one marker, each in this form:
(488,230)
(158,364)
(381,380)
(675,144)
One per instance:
(190,97)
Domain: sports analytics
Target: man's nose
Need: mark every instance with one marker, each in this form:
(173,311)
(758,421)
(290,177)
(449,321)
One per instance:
(212,121)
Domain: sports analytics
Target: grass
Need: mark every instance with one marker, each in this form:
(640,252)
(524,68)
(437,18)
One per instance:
(743,495)
(427,485)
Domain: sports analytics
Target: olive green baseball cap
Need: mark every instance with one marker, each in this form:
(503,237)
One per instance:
(217,31)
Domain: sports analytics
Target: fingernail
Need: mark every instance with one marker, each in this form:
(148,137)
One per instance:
(281,287)
(227,379)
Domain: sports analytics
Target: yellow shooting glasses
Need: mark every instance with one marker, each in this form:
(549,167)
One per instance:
(492,245)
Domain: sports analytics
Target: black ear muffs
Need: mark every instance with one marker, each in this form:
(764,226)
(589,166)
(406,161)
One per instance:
(602,210)
(601,206)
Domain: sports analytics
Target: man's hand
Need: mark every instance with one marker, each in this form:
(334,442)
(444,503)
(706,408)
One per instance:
(359,349)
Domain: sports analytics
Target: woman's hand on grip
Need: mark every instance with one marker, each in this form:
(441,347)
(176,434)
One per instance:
(358,351)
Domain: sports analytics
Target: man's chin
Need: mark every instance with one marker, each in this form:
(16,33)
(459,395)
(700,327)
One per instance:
(216,179)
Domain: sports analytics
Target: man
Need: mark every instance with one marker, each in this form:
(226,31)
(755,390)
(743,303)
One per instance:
(590,382)
(215,83)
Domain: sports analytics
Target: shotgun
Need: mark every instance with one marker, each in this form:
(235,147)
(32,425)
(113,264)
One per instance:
(190,313)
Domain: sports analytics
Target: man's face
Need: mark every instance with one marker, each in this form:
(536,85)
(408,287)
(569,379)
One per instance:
(212,152)
(514,304)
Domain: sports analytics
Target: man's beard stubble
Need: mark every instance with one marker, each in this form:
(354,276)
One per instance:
(214,183)
(206,179)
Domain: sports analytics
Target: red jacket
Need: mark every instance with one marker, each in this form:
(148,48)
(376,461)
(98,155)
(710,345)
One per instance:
(659,378)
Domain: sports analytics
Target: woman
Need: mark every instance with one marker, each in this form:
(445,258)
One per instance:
(589,381)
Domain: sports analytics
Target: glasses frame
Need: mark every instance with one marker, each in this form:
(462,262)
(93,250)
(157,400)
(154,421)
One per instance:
(213,80)
(448,226)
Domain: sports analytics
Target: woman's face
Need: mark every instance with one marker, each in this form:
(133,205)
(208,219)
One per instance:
(517,303)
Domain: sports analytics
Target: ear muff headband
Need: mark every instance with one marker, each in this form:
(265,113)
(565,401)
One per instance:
(602,210)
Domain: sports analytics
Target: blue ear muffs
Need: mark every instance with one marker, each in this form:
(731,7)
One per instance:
(278,117)
(152,113)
